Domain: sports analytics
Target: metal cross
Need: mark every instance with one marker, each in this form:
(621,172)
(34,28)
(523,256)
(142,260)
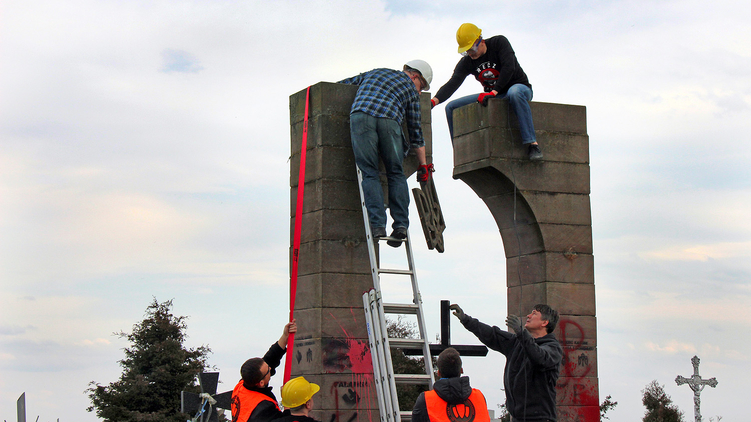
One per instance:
(697,384)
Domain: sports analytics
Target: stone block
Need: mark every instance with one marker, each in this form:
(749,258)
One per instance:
(330,225)
(327,194)
(550,266)
(323,130)
(348,255)
(559,208)
(546,117)
(326,98)
(567,238)
(506,143)
(345,323)
(529,176)
(566,298)
(580,362)
(523,239)
(324,163)
(577,391)
(332,290)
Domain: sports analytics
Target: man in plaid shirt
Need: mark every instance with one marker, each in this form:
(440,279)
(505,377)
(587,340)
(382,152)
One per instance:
(386,97)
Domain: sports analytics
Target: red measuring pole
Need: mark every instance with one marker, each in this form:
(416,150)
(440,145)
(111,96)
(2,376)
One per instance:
(296,239)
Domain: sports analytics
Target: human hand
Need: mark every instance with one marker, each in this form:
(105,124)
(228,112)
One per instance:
(515,323)
(433,102)
(423,172)
(484,97)
(457,311)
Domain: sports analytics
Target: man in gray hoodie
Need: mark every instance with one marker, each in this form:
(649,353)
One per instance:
(533,360)
(452,399)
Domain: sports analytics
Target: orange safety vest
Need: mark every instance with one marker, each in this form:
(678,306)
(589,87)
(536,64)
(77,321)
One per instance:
(244,402)
(474,409)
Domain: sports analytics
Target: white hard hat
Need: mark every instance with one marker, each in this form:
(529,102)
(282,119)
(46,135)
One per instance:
(424,68)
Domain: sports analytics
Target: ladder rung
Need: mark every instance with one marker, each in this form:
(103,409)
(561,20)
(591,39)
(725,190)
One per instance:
(388,271)
(406,416)
(410,343)
(414,379)
(398,308)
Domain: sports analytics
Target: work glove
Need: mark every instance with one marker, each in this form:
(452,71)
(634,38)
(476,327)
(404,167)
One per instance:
(484,97)
(515,323)
(423,172)
(433,103)
(457,311)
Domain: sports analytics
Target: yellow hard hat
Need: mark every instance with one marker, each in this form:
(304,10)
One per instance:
(466,36)
(297,391)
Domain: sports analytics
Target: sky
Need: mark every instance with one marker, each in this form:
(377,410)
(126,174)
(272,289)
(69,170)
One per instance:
(144,153)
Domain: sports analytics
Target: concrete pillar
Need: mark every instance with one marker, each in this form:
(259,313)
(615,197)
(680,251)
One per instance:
(546,227)
(331,346)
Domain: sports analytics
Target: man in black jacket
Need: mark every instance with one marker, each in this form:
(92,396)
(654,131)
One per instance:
(451,399)
(252,398)
(533,359)
(493,63)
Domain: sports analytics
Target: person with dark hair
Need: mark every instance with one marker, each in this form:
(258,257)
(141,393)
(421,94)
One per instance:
(533,359)
(452,399)
(252,398)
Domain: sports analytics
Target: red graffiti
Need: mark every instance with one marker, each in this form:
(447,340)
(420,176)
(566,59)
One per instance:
(573,347)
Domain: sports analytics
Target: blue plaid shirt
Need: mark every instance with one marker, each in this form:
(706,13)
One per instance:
(391,94)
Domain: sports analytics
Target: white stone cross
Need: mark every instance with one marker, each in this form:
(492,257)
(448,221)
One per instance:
(697,384)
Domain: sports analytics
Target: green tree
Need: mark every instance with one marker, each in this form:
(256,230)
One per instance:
(606,406)
(660,407)
(156,368)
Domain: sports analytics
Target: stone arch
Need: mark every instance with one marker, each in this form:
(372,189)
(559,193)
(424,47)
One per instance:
(543,215)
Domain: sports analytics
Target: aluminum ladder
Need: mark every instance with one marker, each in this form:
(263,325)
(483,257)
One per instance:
(380,343)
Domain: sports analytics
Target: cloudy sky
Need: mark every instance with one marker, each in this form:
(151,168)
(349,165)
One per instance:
(144,147)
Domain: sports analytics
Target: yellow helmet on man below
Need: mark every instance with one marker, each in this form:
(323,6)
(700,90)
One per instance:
(466,36)
(297,391)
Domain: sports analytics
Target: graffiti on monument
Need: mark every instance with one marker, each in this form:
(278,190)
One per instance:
(576,385)
(353,397)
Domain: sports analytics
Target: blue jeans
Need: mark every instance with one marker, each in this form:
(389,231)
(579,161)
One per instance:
(373,137)
(519,96)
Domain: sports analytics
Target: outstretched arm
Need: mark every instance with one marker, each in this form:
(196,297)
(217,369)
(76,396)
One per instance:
(493,337)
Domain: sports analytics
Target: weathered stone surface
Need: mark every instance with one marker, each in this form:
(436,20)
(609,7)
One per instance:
(551,266)
(534,238)
(505,143)
(578,413)
(346,322)
(331,290)
(546,117)
(327,194)
(529,176)
(566,298)
(330,225)
(581,391)
(347,255)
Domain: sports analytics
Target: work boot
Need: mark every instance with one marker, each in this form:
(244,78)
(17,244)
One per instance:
(378,232)
(534,152)
(398,233)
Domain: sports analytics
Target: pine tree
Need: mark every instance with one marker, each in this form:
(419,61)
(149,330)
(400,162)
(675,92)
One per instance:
(660,407)
(156,369)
